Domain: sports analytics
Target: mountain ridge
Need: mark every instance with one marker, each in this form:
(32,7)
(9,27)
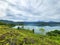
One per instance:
(31,23)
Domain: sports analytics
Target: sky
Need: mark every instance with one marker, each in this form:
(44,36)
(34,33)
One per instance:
(30,10)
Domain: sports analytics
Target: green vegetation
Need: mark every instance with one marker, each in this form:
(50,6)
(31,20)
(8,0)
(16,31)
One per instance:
(6,24)
(9,36)
(54,33)
(42,30)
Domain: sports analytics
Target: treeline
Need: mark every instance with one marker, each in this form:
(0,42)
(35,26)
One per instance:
(53,33)
(7,24)
(32,23)
(48,23)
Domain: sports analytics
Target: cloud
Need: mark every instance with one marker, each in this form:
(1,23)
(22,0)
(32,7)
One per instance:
(30,10)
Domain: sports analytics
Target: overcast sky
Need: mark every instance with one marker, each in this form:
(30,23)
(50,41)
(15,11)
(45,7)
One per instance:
(30,10)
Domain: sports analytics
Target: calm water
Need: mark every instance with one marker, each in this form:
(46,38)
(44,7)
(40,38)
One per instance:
(37,28)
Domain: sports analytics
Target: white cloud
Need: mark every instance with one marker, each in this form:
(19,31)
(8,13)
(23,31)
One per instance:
(30,10)
(3,7)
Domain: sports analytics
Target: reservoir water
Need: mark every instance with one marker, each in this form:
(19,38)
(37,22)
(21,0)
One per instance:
(37,28)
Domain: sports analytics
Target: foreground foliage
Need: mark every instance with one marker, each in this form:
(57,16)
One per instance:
(9,36)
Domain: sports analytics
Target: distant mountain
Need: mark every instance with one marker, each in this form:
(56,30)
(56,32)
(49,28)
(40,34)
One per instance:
(6,21)
(32,23)
(10,22)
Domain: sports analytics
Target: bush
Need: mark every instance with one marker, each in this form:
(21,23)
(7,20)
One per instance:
(53,33)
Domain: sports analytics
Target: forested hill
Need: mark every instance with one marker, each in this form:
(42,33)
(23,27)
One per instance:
(32,23)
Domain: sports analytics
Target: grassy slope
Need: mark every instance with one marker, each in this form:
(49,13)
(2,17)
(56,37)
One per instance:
(25,37)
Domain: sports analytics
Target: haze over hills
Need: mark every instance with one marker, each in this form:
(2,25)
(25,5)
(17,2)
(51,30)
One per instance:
(32,23)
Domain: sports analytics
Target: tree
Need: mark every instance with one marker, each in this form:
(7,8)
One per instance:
(53,33)
(42,30)
(2,23)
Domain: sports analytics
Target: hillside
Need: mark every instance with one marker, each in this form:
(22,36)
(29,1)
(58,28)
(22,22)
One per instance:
(9,36)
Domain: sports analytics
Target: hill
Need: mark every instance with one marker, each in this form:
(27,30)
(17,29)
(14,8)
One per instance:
(32,23)
(11,36)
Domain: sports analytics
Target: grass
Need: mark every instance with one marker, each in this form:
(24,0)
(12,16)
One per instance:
(9,36)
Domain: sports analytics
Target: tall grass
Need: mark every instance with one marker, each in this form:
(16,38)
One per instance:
(9,36)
